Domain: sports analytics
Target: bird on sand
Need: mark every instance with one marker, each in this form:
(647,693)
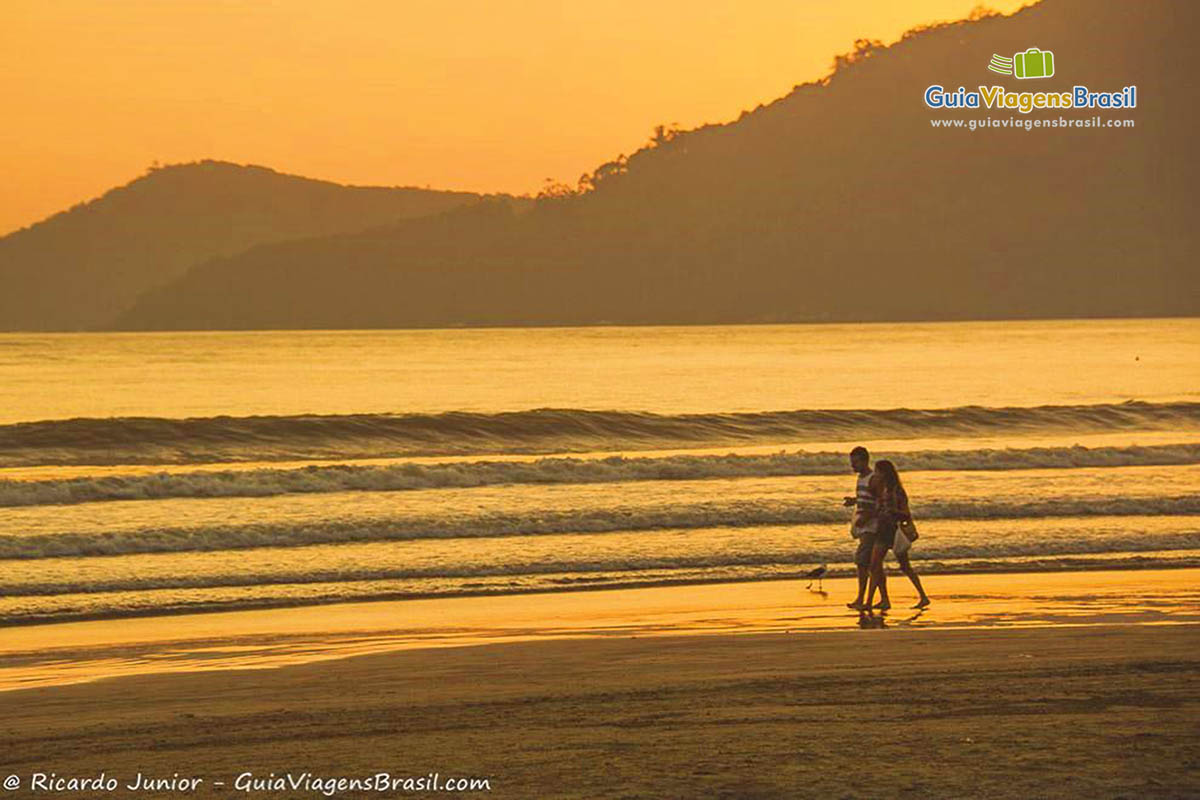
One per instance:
(816,575)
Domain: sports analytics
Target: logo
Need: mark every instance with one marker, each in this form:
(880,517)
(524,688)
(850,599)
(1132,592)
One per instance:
(1033,63)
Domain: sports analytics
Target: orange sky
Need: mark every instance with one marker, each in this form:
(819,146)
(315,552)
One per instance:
(472,94)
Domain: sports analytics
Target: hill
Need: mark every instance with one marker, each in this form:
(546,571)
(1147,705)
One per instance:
(80,268)
(840,201)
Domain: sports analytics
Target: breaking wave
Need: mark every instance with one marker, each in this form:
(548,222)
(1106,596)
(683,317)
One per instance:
(462,475)
(152,440)
(735,514)
(978,555)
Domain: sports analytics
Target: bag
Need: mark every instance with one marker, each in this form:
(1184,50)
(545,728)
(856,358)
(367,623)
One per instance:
(910,529)
(902,543)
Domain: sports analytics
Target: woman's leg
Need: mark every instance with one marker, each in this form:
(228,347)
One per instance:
(871,583)
(907,568)
(878,578)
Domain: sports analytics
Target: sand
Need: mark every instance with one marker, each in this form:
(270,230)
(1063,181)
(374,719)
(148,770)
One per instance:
(1011,686)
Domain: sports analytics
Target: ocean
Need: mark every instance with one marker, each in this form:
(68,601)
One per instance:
(162,473)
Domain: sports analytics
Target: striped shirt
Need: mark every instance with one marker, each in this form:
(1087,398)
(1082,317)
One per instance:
(864,499)
(864,508)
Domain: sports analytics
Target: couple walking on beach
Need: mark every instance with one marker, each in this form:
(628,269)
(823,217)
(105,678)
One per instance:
(881,517)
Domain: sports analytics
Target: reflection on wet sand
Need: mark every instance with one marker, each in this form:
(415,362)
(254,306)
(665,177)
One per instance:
(83,651)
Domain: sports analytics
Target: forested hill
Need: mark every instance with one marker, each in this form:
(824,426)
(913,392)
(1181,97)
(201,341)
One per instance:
(839,201)
(79,269)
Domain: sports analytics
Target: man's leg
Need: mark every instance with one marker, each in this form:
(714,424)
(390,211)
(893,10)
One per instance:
(862,565)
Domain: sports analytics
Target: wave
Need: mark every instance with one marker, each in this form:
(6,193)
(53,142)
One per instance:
(28,606)
(461,475)
(735,514)
(152,440)
(978,555)
(31,608)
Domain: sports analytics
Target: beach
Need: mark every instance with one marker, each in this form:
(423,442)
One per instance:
(1063,684)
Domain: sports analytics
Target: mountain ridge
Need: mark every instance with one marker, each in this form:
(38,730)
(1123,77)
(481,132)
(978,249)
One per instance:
(79,268)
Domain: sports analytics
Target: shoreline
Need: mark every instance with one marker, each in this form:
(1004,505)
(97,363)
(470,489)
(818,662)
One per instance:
(1187,559)
(519,326)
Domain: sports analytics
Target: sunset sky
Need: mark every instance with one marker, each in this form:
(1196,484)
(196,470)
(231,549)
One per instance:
(472,95)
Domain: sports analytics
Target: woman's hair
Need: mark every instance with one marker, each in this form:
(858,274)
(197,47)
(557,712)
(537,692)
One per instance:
(891,478)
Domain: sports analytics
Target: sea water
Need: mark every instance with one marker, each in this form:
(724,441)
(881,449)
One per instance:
(168,473)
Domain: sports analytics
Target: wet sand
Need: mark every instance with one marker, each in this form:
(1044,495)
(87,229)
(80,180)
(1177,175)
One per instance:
(1078,685)
(40,655)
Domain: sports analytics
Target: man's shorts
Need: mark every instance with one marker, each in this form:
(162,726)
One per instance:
(863,529)
(866,543)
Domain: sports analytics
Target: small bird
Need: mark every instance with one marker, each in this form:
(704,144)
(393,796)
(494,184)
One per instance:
(816,575)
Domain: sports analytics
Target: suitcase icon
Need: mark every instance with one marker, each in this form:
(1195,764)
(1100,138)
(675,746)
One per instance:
(1033,63)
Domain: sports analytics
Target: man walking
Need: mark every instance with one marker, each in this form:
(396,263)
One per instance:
(863,527)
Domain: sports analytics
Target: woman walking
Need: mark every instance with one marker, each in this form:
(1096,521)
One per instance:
(891,508)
